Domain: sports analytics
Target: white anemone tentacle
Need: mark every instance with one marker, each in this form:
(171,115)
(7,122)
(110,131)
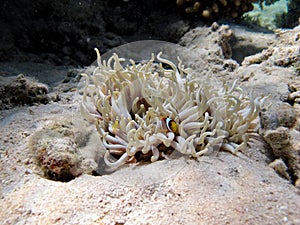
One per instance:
(114,140)
(113,146)
(131,150)
(166,140)
(155,153)
(188,112)
(229,147)
(121,161)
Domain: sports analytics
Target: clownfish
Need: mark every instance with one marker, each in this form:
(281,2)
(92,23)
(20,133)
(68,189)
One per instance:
(169,125)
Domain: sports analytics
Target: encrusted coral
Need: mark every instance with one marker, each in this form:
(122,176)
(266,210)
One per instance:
(145,111)
(217,8)
(56,148)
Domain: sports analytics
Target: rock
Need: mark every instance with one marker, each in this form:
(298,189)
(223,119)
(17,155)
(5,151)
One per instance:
(279,166)
(283,146)
(207,51)
(214,38)
(287,115)
(248,42)
(21,90)
(281,114)
(284,52)
(294,95)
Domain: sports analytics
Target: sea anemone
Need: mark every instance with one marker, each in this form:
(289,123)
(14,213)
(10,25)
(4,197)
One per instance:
(146,111)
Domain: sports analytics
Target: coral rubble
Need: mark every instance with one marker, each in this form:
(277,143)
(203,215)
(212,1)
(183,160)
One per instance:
(146,111)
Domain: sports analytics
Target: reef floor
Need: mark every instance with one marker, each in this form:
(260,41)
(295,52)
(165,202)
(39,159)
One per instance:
(217,189)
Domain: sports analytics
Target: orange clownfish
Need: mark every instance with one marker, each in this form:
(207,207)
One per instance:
(169,125)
